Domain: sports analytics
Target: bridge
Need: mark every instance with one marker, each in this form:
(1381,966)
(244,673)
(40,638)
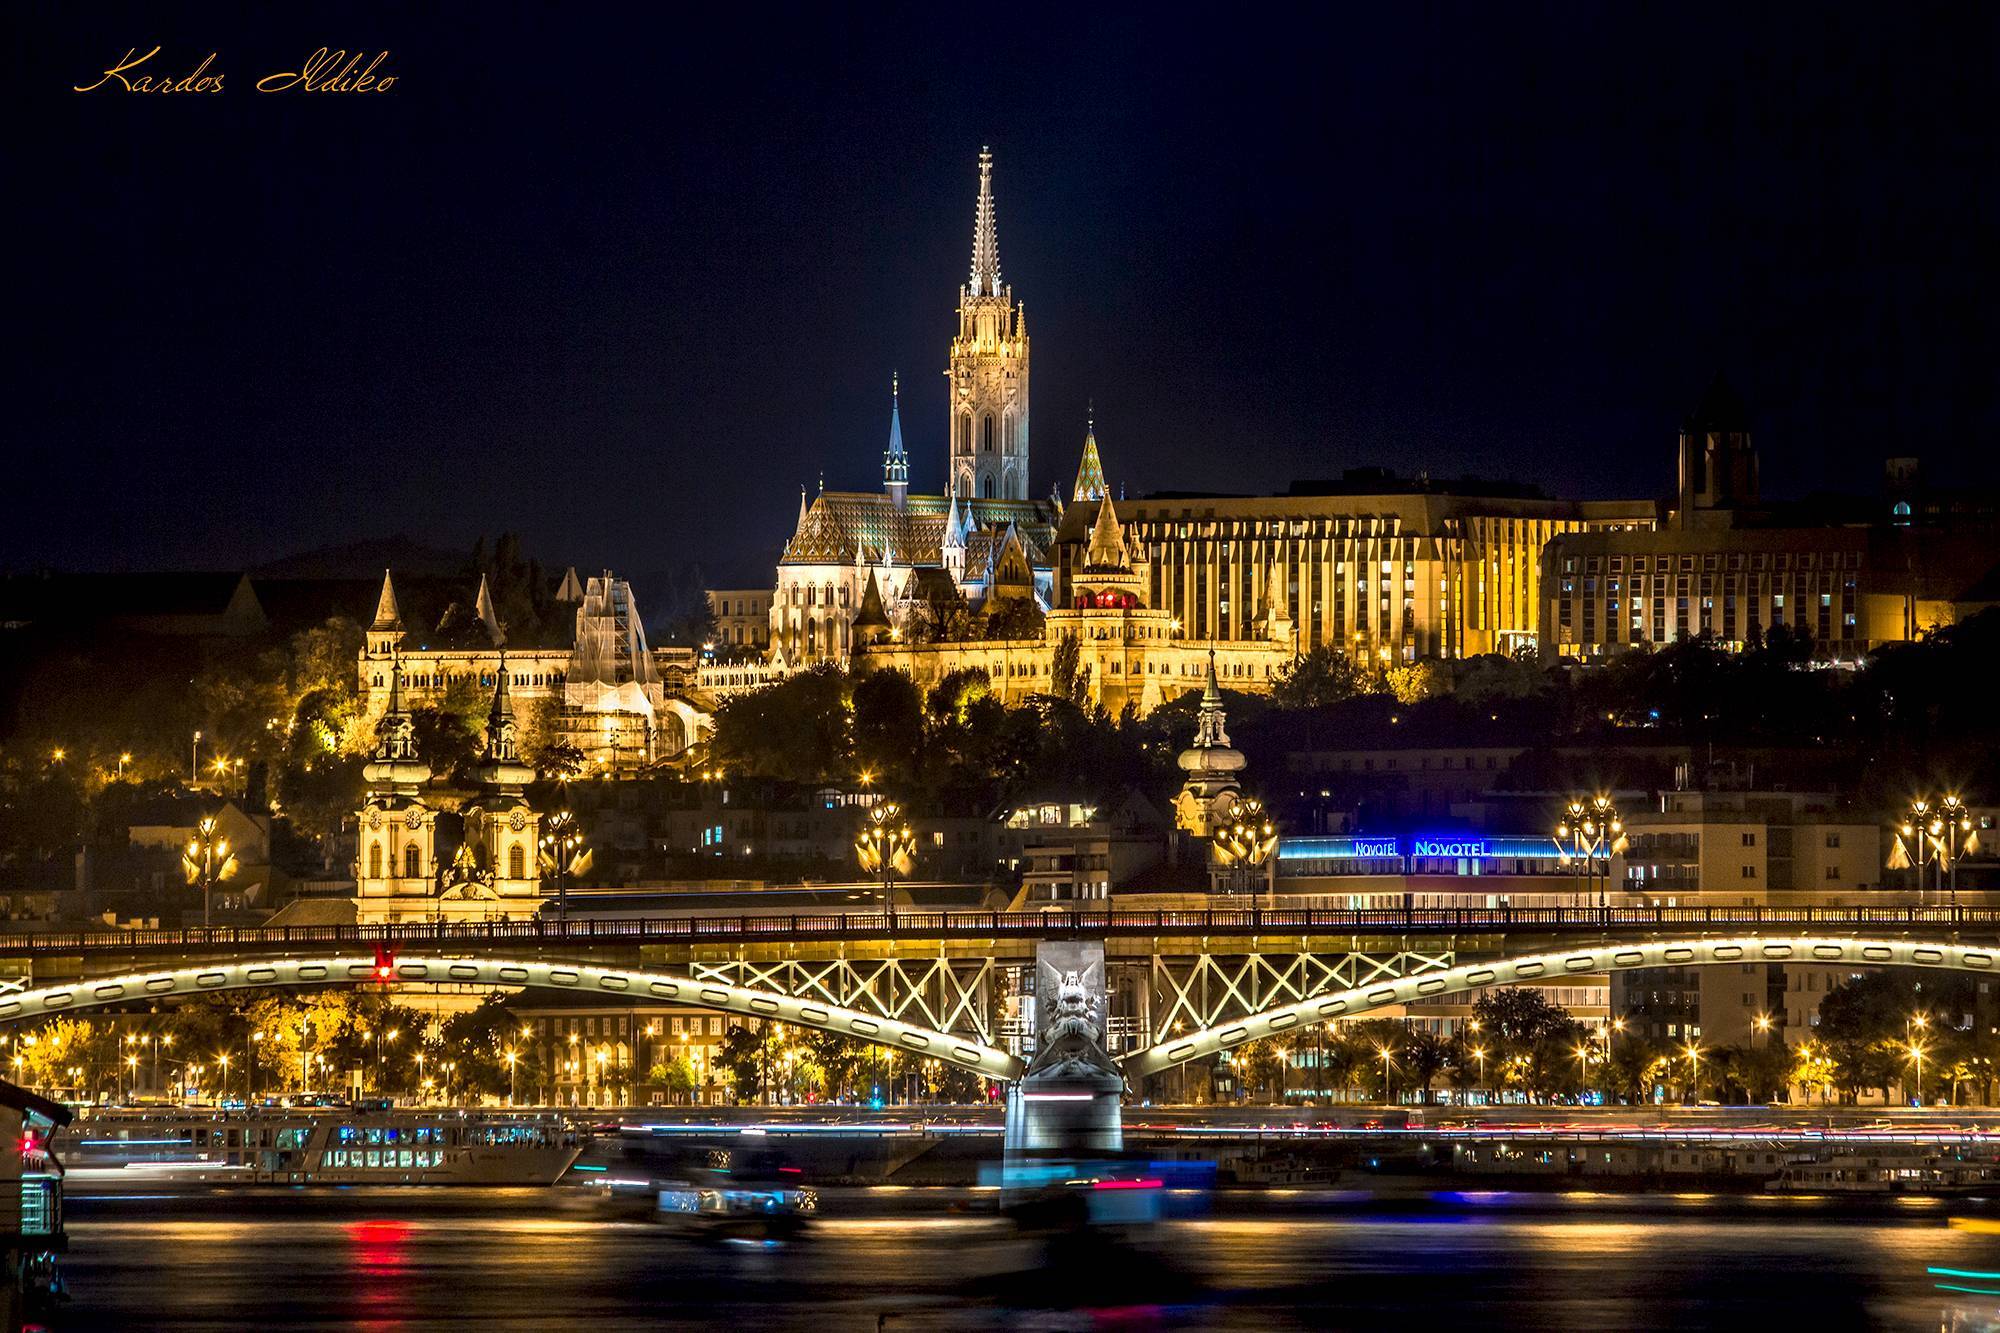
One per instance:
(586,935)
(936,982)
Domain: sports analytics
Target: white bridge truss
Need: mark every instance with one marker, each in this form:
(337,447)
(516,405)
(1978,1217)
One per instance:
(943,994)
(608,982)
(1538,969)
(1204,990)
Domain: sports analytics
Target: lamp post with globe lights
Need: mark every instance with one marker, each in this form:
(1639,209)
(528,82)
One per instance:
(1245,840)
(562,854)
(886,846)
(206,861)
(1588,830)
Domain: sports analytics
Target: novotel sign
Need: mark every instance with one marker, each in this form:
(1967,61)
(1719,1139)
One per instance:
(1452,847)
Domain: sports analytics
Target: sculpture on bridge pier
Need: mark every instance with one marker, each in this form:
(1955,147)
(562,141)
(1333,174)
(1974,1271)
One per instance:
(1068,1101)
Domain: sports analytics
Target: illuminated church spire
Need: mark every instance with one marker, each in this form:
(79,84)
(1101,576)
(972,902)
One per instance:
(985,234)
(895,463)
(989,370)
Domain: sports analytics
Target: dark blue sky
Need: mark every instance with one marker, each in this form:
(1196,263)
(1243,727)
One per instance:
(622,283)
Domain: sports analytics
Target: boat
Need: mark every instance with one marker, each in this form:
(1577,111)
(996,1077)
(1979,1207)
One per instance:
(1890,1173)
(318,1145)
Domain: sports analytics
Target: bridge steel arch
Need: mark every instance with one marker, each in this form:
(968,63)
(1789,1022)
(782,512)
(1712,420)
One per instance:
(608,983)
(1538,968)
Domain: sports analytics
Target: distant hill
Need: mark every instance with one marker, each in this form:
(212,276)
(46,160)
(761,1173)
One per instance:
(366,560)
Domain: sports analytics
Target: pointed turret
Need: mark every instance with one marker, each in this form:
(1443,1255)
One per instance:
(482,606)
(396,767)
(1107,540)
(896,464)
(387,616)
(1209,717)
(571,587)
(385,632)
(1090,472)
(952,547)
(500,767)
(873,617)
(985,234)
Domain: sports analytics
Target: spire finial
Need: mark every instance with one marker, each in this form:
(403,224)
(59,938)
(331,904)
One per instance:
(985,238)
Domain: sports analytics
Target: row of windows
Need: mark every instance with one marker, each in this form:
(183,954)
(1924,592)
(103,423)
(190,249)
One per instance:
(394,1159)
(413,862)
(1596,564)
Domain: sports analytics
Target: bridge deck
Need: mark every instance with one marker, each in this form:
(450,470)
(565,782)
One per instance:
(883,927)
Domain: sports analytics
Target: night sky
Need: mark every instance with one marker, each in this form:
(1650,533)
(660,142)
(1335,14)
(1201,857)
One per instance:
(623,284)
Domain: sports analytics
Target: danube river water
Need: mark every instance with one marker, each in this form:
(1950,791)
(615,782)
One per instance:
(907,1260)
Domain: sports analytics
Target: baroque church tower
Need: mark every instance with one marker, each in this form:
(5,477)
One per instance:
(989,370)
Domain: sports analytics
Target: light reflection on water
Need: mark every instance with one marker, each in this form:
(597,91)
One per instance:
(509,1260)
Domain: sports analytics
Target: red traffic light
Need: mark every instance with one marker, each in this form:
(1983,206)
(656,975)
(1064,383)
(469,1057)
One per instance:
(385,964)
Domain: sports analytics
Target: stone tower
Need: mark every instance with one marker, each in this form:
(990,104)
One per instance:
(989,370)
(397,845)
(500,825)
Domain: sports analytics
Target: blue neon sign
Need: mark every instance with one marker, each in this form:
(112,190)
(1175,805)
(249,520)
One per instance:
(1451,846)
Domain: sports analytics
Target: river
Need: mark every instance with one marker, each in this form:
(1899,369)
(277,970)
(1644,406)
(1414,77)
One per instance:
(498,1259)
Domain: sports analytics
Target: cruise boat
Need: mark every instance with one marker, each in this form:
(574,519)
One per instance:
(1891,1173)
(327,1145)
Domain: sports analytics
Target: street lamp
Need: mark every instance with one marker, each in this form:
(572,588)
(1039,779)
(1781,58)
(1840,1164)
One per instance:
(1956,836)
(513,1069)
(563,855)
(207,860)
(886,846)
(1917,1054)
(1694,1072)
(1588,830)
(1245,841)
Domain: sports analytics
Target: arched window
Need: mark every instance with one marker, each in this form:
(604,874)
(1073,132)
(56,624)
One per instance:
(517,862)
(374,860)
(986,433)
(1010,433)
(413,865)
(986,487)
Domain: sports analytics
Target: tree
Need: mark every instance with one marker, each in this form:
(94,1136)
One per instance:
(888,726)
(1321,678)
(1518,1017)
(741,1054)
(1414,682)
(1014,618)
(797,729)
(676,1078)
(1069,679)
(1425,1056)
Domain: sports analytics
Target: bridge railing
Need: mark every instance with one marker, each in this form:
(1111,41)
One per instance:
(1087,921)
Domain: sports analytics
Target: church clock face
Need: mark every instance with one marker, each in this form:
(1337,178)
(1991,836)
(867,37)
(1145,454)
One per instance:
(415,819)
(374,819)
(518,820)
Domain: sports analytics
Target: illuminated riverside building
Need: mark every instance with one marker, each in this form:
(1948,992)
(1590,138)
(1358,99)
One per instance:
(1725,564)
(1375,565)
(617,700)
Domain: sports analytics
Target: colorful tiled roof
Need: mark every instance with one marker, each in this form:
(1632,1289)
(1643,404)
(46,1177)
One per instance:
(839,523)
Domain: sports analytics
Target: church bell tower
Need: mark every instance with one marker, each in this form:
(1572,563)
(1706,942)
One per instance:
(989,370)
